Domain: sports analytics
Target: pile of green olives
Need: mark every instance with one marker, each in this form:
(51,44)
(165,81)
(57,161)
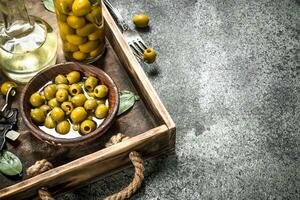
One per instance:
(70,100)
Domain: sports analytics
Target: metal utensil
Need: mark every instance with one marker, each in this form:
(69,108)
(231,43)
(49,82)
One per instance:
(133,39)
(8,116)
(5,110)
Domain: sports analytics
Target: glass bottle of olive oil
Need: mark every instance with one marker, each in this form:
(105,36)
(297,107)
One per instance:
(27,43)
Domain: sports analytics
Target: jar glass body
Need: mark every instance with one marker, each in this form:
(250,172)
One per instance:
(81,29)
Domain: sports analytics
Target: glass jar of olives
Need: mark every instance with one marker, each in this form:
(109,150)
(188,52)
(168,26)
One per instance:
(81,28)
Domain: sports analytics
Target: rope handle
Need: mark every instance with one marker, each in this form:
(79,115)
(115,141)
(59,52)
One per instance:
(136,159)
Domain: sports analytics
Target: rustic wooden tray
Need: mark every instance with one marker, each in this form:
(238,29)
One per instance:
(149,125)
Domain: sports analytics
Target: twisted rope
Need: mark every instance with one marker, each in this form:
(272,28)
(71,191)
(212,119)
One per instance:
(139,169)
(44,194)
(116,139)
(136,159)
(38,168)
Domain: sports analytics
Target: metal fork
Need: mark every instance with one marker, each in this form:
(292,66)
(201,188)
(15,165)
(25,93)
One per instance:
(133,39)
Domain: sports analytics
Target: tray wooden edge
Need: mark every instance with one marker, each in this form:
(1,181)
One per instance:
(85,169)
(90,167)
(134,68)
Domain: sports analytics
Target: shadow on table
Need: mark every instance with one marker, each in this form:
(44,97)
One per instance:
(151,69)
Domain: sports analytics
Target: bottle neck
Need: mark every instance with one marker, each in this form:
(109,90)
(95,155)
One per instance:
(15,18)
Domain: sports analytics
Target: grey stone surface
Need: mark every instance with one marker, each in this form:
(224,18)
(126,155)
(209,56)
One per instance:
(229,76)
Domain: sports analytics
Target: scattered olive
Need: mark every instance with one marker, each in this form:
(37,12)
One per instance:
(36,100)
(57,114)
(87,126)
(6,85)
(141,20)
(63,127)
(149,55)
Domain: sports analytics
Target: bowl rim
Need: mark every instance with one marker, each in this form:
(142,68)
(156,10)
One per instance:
(45,137)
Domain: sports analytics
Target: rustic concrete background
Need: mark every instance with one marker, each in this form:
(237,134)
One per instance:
(229,76)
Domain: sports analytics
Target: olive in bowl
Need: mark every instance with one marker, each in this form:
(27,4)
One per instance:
(62,121)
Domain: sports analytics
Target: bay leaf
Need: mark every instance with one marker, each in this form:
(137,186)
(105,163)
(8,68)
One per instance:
(49,5)
(10,164)
(127,100)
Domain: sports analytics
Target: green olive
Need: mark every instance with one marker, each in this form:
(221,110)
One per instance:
(101,91)
(6,85)
(101,101)
(63,127)
(37,115)
(53,103)
(78,115)
(67,106)
(50,91)
(76,127)
(91,94)
(36,100)
(62,86)
(149,55)
(45,108)
(90,117)
(61,79)
(90,105)
(78,100)
(62,95)
(49,122)
(73,77)
(101,111)
(141,20)
(75,89)
(90,83)
(57,114)
(81,7)
(87,126)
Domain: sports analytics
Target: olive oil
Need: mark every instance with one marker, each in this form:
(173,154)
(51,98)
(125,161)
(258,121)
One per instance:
(21,65)
(27,43)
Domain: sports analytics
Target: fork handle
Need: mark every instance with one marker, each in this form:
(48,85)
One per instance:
(118,17)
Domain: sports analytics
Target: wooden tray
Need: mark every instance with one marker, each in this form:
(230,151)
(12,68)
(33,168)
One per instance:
(149,125)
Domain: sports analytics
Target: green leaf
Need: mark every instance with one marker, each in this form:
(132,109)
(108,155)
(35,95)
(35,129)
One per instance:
(10,164)
(49,5)
(127,100)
